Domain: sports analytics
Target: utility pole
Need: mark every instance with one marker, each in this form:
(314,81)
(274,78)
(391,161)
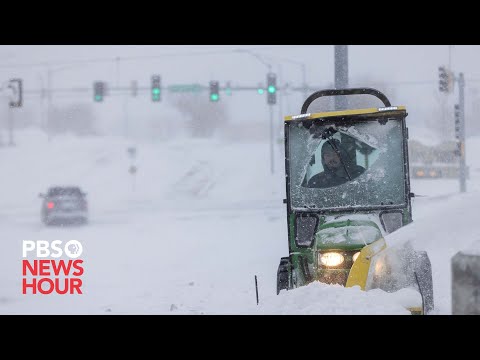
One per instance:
(341,74)
(49,103)
(461,103)
(450,57)
(125,111)
(117,63)
(304,80)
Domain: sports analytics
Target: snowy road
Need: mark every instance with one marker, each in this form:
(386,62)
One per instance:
(148,263)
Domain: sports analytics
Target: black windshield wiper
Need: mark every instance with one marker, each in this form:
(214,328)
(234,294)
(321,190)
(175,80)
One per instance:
(327,134)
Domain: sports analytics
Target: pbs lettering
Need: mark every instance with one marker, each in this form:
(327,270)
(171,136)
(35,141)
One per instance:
(47,273)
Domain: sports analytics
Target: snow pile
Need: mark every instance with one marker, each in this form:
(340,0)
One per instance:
(321,299)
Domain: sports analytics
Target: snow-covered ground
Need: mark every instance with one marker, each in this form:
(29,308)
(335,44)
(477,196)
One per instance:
(188,233)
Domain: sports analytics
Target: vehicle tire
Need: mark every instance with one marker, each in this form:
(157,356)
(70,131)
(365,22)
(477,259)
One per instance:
(283,275)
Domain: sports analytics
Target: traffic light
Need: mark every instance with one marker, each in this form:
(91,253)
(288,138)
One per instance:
(214,91)
(443,79)
(457,121)
(17,92)
(271,88)
(156,88)
(98,91)
(446,80)
(260,89)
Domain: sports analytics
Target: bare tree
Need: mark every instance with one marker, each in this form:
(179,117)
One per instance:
(204,117)
(76,118)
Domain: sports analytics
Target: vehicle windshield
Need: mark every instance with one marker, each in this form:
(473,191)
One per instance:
(356,165)
(61,191)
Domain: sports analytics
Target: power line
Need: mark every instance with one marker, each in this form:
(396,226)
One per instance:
(130,58)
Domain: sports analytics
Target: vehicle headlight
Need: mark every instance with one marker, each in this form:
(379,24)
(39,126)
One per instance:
(420,173)
(331,259)
(355,256)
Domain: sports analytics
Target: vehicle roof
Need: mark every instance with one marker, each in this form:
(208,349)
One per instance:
(382,111)
(64,187)
(64,190)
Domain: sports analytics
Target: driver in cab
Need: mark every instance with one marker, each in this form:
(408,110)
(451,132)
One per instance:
(337,165)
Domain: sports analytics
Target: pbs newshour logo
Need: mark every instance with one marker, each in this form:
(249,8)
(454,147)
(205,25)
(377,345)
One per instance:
(46,272)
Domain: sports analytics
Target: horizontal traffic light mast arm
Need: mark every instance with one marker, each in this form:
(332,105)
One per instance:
(140,89)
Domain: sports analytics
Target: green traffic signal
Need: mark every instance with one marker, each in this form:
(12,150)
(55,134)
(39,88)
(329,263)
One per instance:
(260,91)
(98,91)
(155,88)
(271,89)
(156,94)
(214,91)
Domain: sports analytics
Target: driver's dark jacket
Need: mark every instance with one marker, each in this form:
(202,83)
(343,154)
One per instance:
(329,178)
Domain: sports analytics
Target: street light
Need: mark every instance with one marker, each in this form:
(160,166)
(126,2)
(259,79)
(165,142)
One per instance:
(303,70)
(254,54)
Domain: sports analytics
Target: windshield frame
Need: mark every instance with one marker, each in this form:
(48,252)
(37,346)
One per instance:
(342,121)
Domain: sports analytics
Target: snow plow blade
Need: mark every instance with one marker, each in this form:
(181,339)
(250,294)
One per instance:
(391,268)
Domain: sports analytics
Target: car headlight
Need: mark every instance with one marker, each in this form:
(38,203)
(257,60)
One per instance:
(331,259)
(355,256)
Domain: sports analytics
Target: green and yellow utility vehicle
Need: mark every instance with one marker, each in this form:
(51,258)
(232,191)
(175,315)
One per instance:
(348,186)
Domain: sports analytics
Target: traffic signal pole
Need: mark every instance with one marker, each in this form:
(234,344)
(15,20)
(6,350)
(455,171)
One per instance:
(272,167)
(341,74)
(461,103)
(446,85)
(271,100)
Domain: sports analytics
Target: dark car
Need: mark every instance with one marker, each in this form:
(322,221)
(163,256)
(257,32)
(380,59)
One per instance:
(64,205)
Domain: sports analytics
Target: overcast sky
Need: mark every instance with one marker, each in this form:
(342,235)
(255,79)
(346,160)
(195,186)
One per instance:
(411,70)
(180,62)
